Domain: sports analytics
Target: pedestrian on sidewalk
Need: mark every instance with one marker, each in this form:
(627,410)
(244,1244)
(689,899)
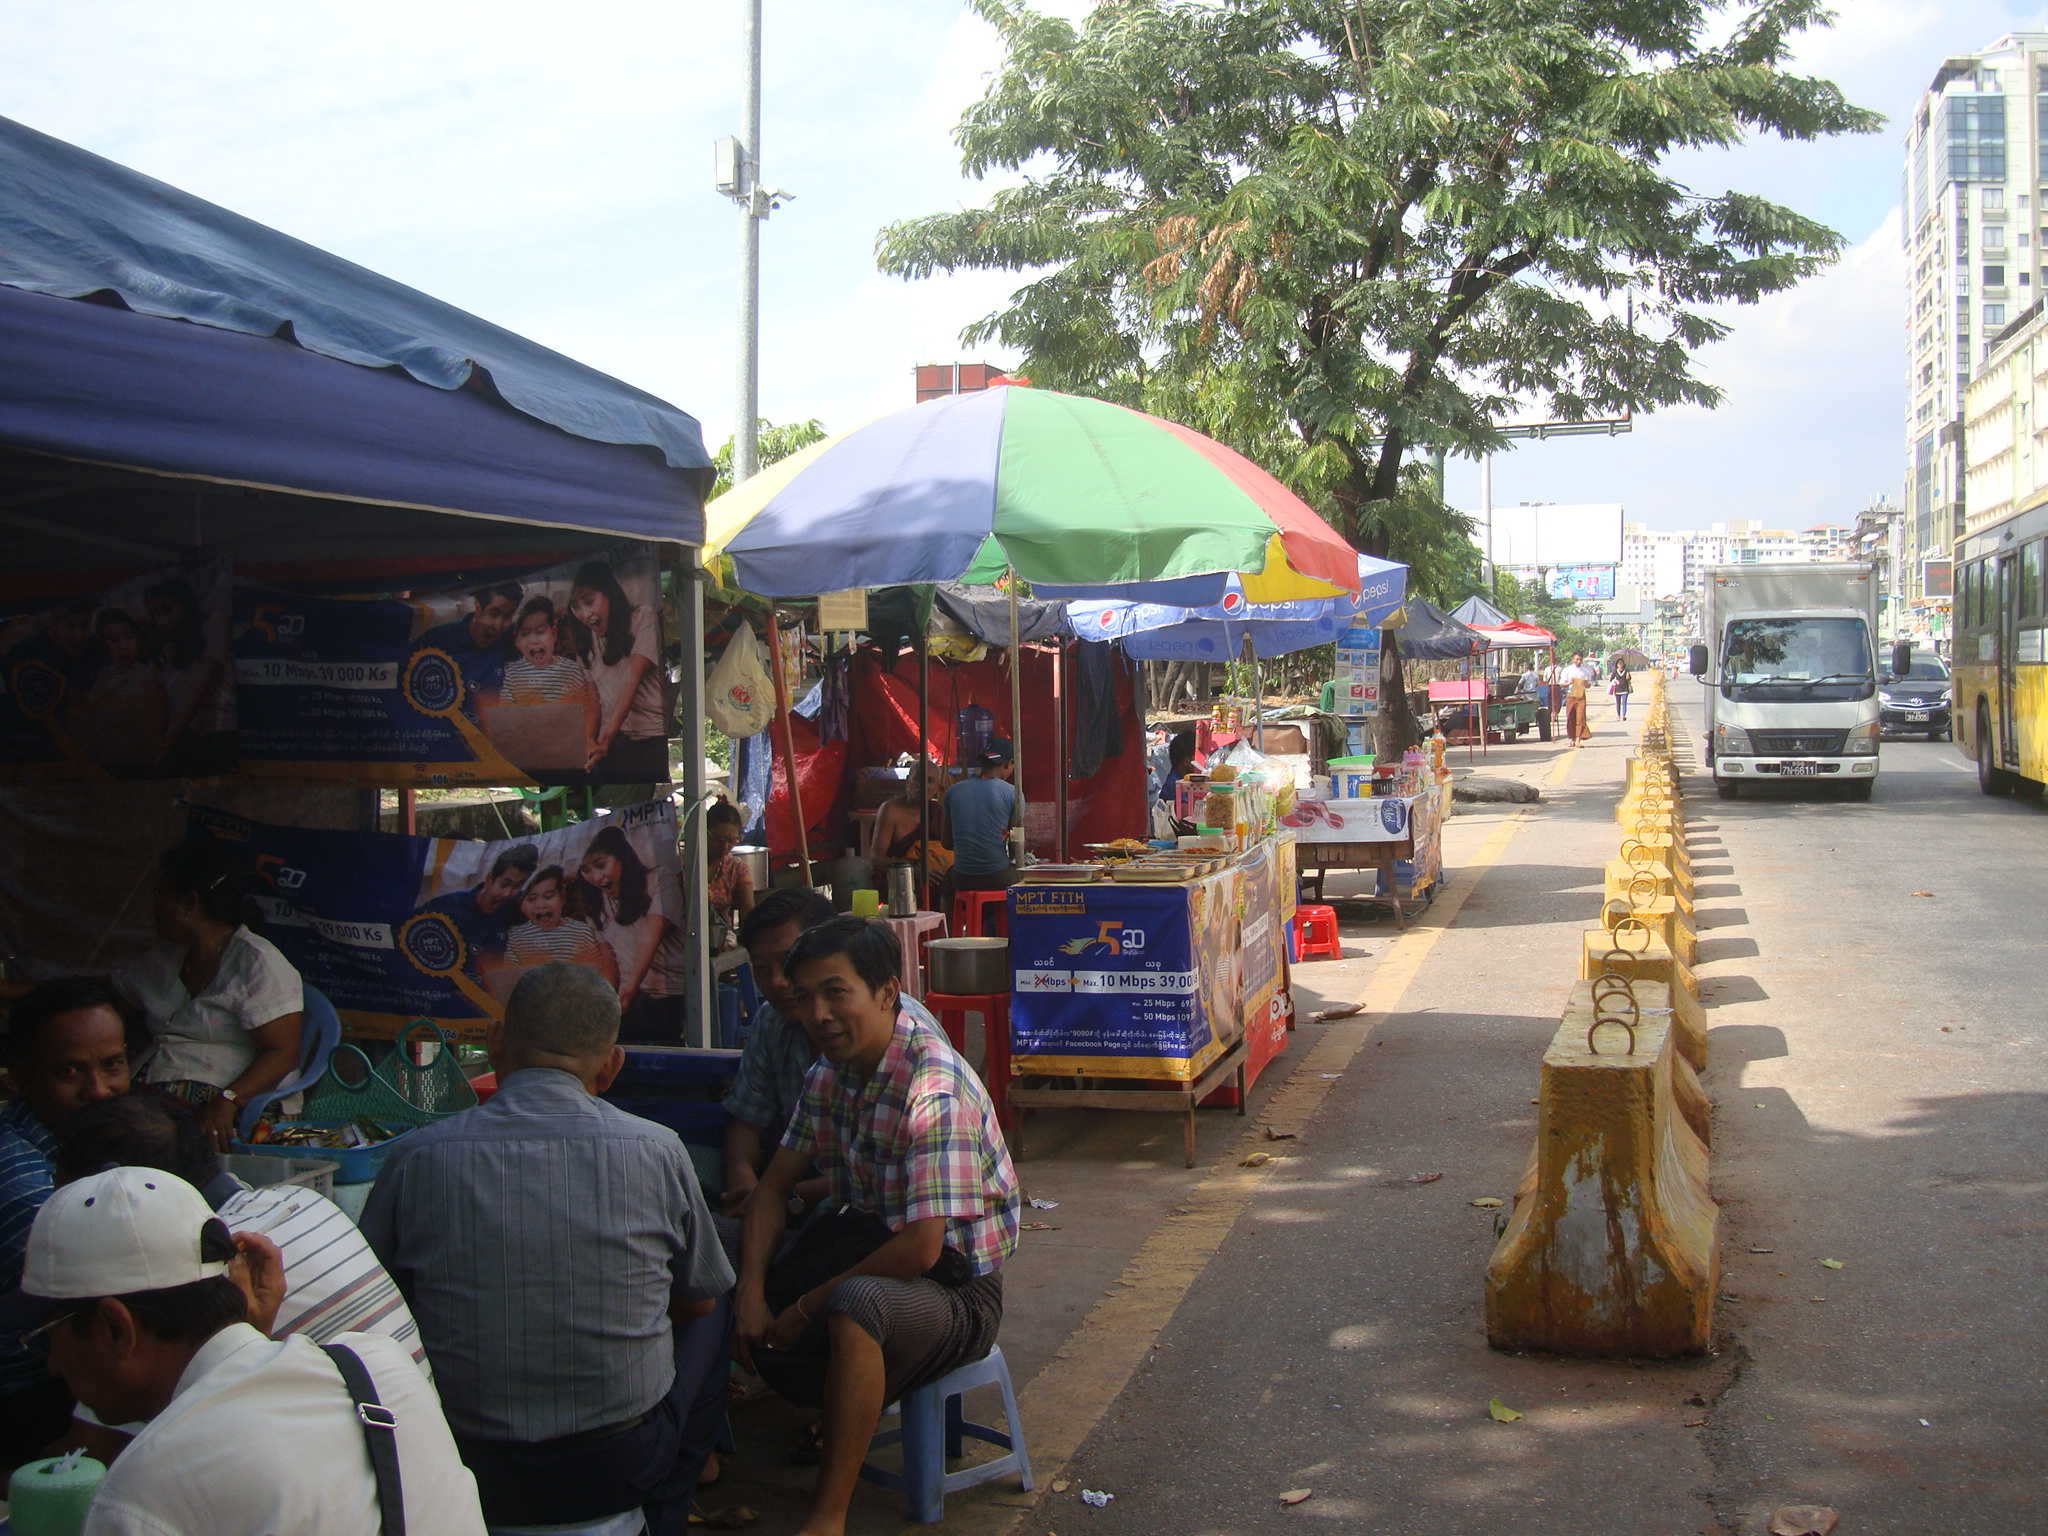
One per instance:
(1620,687)
(1577,678)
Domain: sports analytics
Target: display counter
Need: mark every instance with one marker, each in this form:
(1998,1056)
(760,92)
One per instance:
(1166,988)
(1384,833)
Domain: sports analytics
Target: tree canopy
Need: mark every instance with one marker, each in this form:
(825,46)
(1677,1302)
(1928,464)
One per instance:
(1339,235)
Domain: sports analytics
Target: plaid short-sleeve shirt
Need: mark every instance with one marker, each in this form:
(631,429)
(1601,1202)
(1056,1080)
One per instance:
(916,1139)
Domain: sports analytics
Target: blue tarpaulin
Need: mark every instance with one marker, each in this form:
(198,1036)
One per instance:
(215,348)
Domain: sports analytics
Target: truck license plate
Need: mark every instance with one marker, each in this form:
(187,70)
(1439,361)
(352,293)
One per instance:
(1916,714)
(1799,770)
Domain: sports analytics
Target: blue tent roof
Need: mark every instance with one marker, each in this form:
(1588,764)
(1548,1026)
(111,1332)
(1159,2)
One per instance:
(310,369)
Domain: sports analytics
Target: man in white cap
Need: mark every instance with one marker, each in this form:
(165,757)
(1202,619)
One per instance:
(127,1284)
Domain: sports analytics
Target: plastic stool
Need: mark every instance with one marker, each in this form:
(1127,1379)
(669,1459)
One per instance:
(968,907)
(933,1431)
(951,1010)
(1315,933)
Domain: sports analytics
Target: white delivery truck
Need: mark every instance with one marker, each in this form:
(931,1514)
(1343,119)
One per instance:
(1790,668)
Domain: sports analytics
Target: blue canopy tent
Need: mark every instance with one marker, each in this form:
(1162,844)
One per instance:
(179,384)
(1163,631)
(176,380)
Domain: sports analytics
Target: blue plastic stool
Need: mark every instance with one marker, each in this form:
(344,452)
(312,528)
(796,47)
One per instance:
(933,1431)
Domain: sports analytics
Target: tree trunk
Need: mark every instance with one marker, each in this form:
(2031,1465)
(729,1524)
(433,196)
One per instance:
(1395,728)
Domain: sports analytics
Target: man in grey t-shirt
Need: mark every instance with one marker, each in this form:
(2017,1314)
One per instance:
(979,814)
(561,1263)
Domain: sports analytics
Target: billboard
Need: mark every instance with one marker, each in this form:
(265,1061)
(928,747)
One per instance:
(1937,577)
(1582,583)
(1549,536)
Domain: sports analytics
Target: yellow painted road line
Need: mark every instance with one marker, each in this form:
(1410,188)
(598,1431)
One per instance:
(1068,1398)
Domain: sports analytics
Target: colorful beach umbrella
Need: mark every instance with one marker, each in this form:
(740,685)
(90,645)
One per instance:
(1217,632)
(1076,495)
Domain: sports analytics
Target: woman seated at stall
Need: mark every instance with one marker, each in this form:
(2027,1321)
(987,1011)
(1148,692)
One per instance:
(731,882)
(222,1006)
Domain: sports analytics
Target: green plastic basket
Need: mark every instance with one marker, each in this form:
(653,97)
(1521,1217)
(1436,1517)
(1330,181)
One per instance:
(394,1090)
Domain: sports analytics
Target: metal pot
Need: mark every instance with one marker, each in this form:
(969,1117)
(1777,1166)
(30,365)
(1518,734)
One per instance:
(970,967)
(756,860)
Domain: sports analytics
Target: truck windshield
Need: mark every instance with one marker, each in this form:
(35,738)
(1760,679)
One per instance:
(1797,659)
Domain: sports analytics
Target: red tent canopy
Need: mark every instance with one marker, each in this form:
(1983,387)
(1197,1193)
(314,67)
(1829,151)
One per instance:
(1516,636)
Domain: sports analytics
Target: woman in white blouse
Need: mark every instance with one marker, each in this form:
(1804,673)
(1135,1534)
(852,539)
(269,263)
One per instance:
(222,1005)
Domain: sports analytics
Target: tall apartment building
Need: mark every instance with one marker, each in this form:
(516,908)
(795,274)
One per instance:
(1975,175)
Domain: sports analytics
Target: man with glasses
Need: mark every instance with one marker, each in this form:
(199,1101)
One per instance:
(127,1287)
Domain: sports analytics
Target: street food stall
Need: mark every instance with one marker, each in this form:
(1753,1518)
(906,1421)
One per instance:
(282,536)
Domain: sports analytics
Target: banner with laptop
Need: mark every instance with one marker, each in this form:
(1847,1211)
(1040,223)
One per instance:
(553,677)
(394,928)
(132,682)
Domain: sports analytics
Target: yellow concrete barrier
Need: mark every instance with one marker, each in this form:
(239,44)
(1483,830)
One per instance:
(1627,882)
(1613,1247)
(1665,849)
(1664,919)
(1627,955)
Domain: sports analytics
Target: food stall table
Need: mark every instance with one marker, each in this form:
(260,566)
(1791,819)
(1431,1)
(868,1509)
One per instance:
(912,934)
(1372,834)
(1228,1070)
(1151,995)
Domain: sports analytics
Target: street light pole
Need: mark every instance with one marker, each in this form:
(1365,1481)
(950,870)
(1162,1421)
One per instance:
(738,176)
(747,407)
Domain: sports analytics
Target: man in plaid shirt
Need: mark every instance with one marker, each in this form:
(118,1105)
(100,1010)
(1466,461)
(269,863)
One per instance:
(905,1133)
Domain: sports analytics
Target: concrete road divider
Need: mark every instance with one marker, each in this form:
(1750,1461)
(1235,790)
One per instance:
(1629,882)
(1613,1247)
(1638,954)
(1662,916)
(1664,849)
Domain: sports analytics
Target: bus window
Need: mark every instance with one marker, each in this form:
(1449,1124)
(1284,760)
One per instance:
(1973,588)
(2030,581)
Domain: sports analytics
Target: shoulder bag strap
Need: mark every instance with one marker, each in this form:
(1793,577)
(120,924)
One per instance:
(380,1434)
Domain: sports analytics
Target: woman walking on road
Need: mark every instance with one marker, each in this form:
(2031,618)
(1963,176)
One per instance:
(1620,687)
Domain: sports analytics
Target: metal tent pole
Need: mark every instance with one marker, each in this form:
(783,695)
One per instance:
(1016,703)
(796,794)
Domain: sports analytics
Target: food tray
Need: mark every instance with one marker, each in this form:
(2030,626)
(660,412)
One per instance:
(1059,874)
(354,1165)
(1150,874)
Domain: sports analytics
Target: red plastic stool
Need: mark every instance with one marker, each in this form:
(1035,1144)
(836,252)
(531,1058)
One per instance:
(951,1009)
(1315,933)
(968,907)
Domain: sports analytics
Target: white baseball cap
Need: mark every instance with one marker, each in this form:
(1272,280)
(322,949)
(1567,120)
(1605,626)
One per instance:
(115,1233)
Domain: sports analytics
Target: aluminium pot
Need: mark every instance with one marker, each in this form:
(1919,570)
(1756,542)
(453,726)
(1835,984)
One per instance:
(970,967)
(756,860)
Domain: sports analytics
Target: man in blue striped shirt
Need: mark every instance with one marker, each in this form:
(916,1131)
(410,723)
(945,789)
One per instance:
(65,1048)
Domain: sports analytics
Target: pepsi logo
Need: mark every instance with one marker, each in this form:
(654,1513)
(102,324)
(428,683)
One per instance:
(1108,617)
(1233,602)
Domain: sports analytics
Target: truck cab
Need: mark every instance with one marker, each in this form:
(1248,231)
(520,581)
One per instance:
(1790,668)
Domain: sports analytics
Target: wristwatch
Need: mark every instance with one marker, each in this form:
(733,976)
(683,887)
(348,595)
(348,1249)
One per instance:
(797,1206)
(231,1096)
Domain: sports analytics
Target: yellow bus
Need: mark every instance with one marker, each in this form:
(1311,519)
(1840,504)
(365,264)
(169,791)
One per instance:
(2001,675)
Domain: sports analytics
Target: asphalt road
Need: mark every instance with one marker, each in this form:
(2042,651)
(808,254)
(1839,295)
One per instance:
(1877,1070)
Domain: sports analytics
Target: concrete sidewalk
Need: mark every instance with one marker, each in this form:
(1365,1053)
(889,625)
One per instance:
(1141,1252)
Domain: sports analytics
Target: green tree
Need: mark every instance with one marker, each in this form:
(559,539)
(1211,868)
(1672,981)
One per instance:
(773,444)
(1341,233)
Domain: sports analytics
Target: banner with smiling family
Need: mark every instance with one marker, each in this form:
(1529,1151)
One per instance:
(548,676)
(554,677)
(394,928)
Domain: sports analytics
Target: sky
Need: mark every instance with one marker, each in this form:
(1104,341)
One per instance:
(549,168)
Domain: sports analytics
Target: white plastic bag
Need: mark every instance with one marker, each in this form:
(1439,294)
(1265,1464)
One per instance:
(739,695)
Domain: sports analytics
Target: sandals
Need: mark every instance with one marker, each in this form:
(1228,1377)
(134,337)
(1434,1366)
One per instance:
(809,1449)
